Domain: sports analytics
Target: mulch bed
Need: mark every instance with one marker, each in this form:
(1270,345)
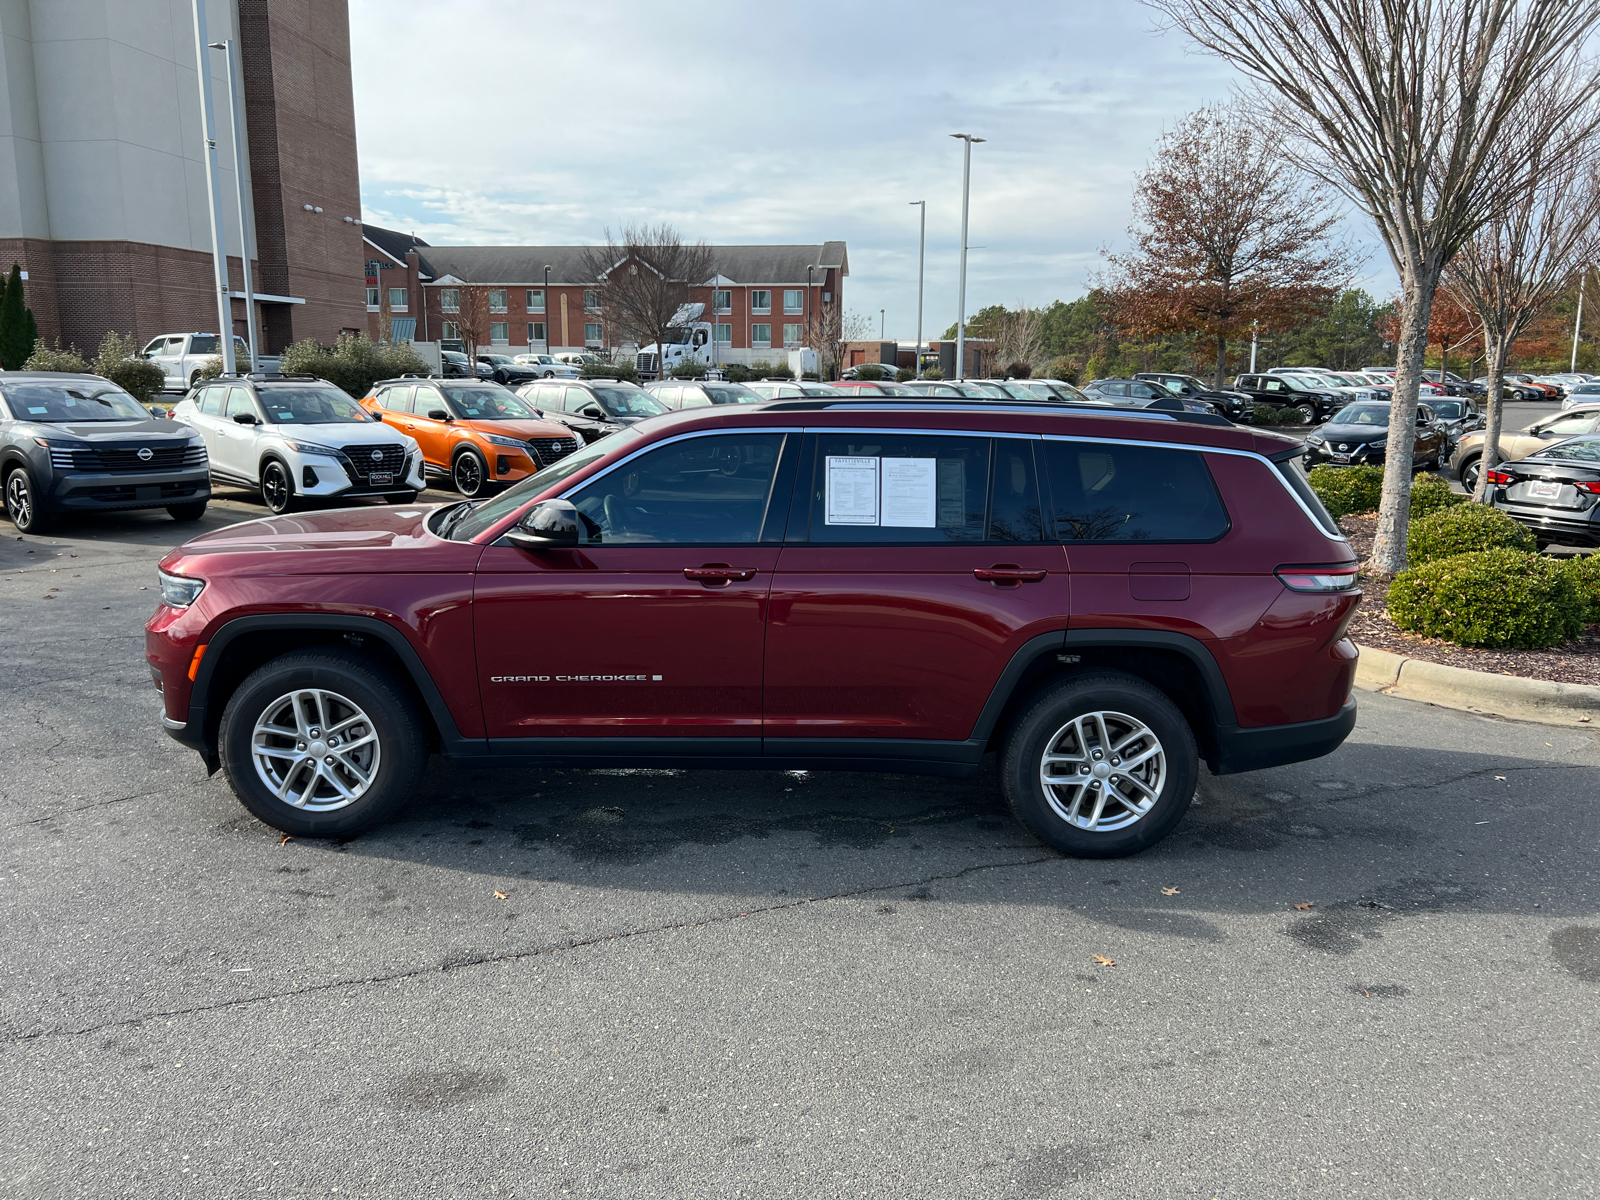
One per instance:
(1576,662)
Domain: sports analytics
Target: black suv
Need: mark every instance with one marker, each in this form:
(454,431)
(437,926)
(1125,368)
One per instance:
(504,369)
(1238,406)
(1287,391)
(79,443)
(591,408)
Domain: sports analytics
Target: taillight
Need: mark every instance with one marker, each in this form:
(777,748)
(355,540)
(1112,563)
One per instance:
(1497,478)
(1591,486)
(1318,579)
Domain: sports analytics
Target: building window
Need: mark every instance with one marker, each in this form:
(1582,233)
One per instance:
(761,301)
(497,300)
(397,300)
(761,335)
(593,334)
(793,335)
(372,299)
(535,299)
(535,332)
(449,331)
(499,333)
(827,297)
(725,334)
(591,299)
(794,300)
(450,299)
(721,301)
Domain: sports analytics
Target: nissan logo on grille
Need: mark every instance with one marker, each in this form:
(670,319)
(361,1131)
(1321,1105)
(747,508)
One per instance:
(377,456)
(146,454)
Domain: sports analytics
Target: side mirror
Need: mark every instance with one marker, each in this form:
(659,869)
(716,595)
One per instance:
(592,411)
(245,418)
(438,414)
(548,525)
(376,415)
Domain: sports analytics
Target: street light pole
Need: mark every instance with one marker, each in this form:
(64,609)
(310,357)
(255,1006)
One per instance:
(1253,325)
(882,324)
(546,308)
(1578,324)
(810,337)
(922,249)
(219,257)
(246,208)
(961,295)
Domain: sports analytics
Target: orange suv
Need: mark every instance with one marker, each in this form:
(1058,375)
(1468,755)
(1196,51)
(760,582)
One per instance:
(476,434)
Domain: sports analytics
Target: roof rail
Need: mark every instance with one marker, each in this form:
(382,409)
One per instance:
(270,375)
(972,404)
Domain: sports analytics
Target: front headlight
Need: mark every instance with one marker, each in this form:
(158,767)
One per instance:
(1316,439)
(177,591)
(497,440)
(312,448)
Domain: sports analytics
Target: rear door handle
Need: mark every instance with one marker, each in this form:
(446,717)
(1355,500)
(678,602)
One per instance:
(1006,574)
(715,574)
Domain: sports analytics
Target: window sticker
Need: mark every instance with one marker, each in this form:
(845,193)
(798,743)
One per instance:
(38,410)
(852,490)
(952,493)
(909,492)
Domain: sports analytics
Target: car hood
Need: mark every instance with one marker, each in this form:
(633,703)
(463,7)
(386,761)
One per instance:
(531,428)
(1355,433)
(342,433)
(152,430)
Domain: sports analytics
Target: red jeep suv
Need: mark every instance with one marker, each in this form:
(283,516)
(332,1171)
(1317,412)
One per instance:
(1104,597)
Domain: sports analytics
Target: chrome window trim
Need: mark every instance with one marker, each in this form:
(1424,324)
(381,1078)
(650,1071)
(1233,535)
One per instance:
(698,433)
(1272,468)
(1063,409)
(980,433)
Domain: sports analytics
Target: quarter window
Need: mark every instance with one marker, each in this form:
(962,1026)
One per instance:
(1102,492)
(887,488)
(714,490)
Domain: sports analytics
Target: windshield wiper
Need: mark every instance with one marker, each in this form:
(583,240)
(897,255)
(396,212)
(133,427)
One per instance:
(453,517)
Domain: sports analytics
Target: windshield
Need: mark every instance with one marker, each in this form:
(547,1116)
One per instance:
(629,402)
(1581,449)
(677,337)
(1449,410)
(311,406)
(731,393)
(1303,383)
(481,403)
(1362,414)
(72,402)
(491,511)
(496,359)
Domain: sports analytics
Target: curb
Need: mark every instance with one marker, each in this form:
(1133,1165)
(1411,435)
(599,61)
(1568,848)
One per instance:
(1477,691)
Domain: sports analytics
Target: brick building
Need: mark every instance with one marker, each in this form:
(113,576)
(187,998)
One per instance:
(102,176)
(763,299)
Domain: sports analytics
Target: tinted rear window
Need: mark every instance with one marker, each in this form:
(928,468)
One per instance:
(1105,492)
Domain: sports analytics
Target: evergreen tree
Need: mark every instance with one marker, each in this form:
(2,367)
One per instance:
(15,320)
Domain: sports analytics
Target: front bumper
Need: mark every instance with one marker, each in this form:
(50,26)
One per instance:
(105,492)
(1240,749)
(330,477)
(1356,456)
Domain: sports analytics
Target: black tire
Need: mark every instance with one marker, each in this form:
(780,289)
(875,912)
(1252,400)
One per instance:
(1308,412)
(187,512)
(1048,721)
(277,486)
(470,474)
(402,497)
(194,380)
(22,502)
(1469,474)
(356,686)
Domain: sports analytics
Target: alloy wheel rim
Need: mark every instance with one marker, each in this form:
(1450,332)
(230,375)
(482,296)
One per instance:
(468,477)
(1103,771)
(315,750)
(19,501)
(275,488)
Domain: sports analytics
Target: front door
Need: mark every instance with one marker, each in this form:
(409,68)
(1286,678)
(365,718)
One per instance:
(647,638)
(915,567)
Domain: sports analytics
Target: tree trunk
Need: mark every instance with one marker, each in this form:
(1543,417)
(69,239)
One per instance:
(1394,512)
(1222,360)
(1495,348)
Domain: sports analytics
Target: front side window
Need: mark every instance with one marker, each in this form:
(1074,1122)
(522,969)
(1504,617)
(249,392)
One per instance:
(535,332)
(591,299)
(1567,427)
(793,300)
(239,403)
(793,335)
(499,333)
(761,335)
(760,301)
(309,406)
(535,299)
(1580,449)
(497,299)
(892,488)
(1101,492)
(397,300)
(450,299)
(713,490)
(721,300)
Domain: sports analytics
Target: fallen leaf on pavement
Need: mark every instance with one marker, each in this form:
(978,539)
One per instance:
(1500,777)
(285,838)
(1304,905)
(502,895)
(1169,891)
(1103,961)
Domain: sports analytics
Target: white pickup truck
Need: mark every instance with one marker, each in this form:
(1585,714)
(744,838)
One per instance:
(182,356)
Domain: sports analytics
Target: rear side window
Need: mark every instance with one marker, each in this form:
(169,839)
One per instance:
(1107,492)
(1293,472)
(889,488)
(397,399)
(211,400)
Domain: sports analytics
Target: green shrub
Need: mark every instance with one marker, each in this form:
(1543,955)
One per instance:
(1265,414)
(868,373)
(54,358)
(1019,370)
(1346,490)
(625,371)
(117,362)
(353,364)
(1461,529)
(903,374)
(1430,493)
(1495,598)
(773,372)
(1063,370)
(213,367)
(933,373)
(689,370)
(1584,571)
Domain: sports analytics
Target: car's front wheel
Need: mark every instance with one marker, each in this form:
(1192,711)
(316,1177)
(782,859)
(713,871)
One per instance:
(320,743)
(1100,766)
(187,512)
(277,489)
(470,474)
(1470,470)
(22,502)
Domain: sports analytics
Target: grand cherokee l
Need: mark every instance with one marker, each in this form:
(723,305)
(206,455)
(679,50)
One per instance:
(1104,597)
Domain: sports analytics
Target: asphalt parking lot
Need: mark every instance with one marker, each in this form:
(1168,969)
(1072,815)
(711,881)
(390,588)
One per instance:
(1374,974)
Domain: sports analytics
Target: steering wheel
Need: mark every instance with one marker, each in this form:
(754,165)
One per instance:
(614,514)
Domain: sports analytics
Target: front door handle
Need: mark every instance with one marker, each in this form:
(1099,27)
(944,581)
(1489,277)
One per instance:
(1005,574)
(718,574)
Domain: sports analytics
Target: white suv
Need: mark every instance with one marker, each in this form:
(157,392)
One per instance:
(299,440)
(548,366)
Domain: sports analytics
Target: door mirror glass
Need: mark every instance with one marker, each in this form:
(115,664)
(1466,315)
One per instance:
(548,525)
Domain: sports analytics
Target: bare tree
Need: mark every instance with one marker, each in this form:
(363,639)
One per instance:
(837,329)
(472,321)
(1019,339)
(1417,111)
(1230,234)
(1515,266)
(645,275)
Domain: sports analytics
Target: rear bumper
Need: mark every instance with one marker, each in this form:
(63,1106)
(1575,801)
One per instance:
(1240,749)
(1542,523)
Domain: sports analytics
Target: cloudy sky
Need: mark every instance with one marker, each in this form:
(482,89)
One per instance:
(486,122)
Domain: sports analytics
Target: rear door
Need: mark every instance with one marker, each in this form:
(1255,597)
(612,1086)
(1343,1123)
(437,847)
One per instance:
(432,434)
(207,419)
(914,567)
(237,448)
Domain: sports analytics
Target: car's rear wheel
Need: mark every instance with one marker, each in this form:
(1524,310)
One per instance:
(470,474)
(187,512)
(22,502)
(1100,766)
(320,743)
(277,489)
